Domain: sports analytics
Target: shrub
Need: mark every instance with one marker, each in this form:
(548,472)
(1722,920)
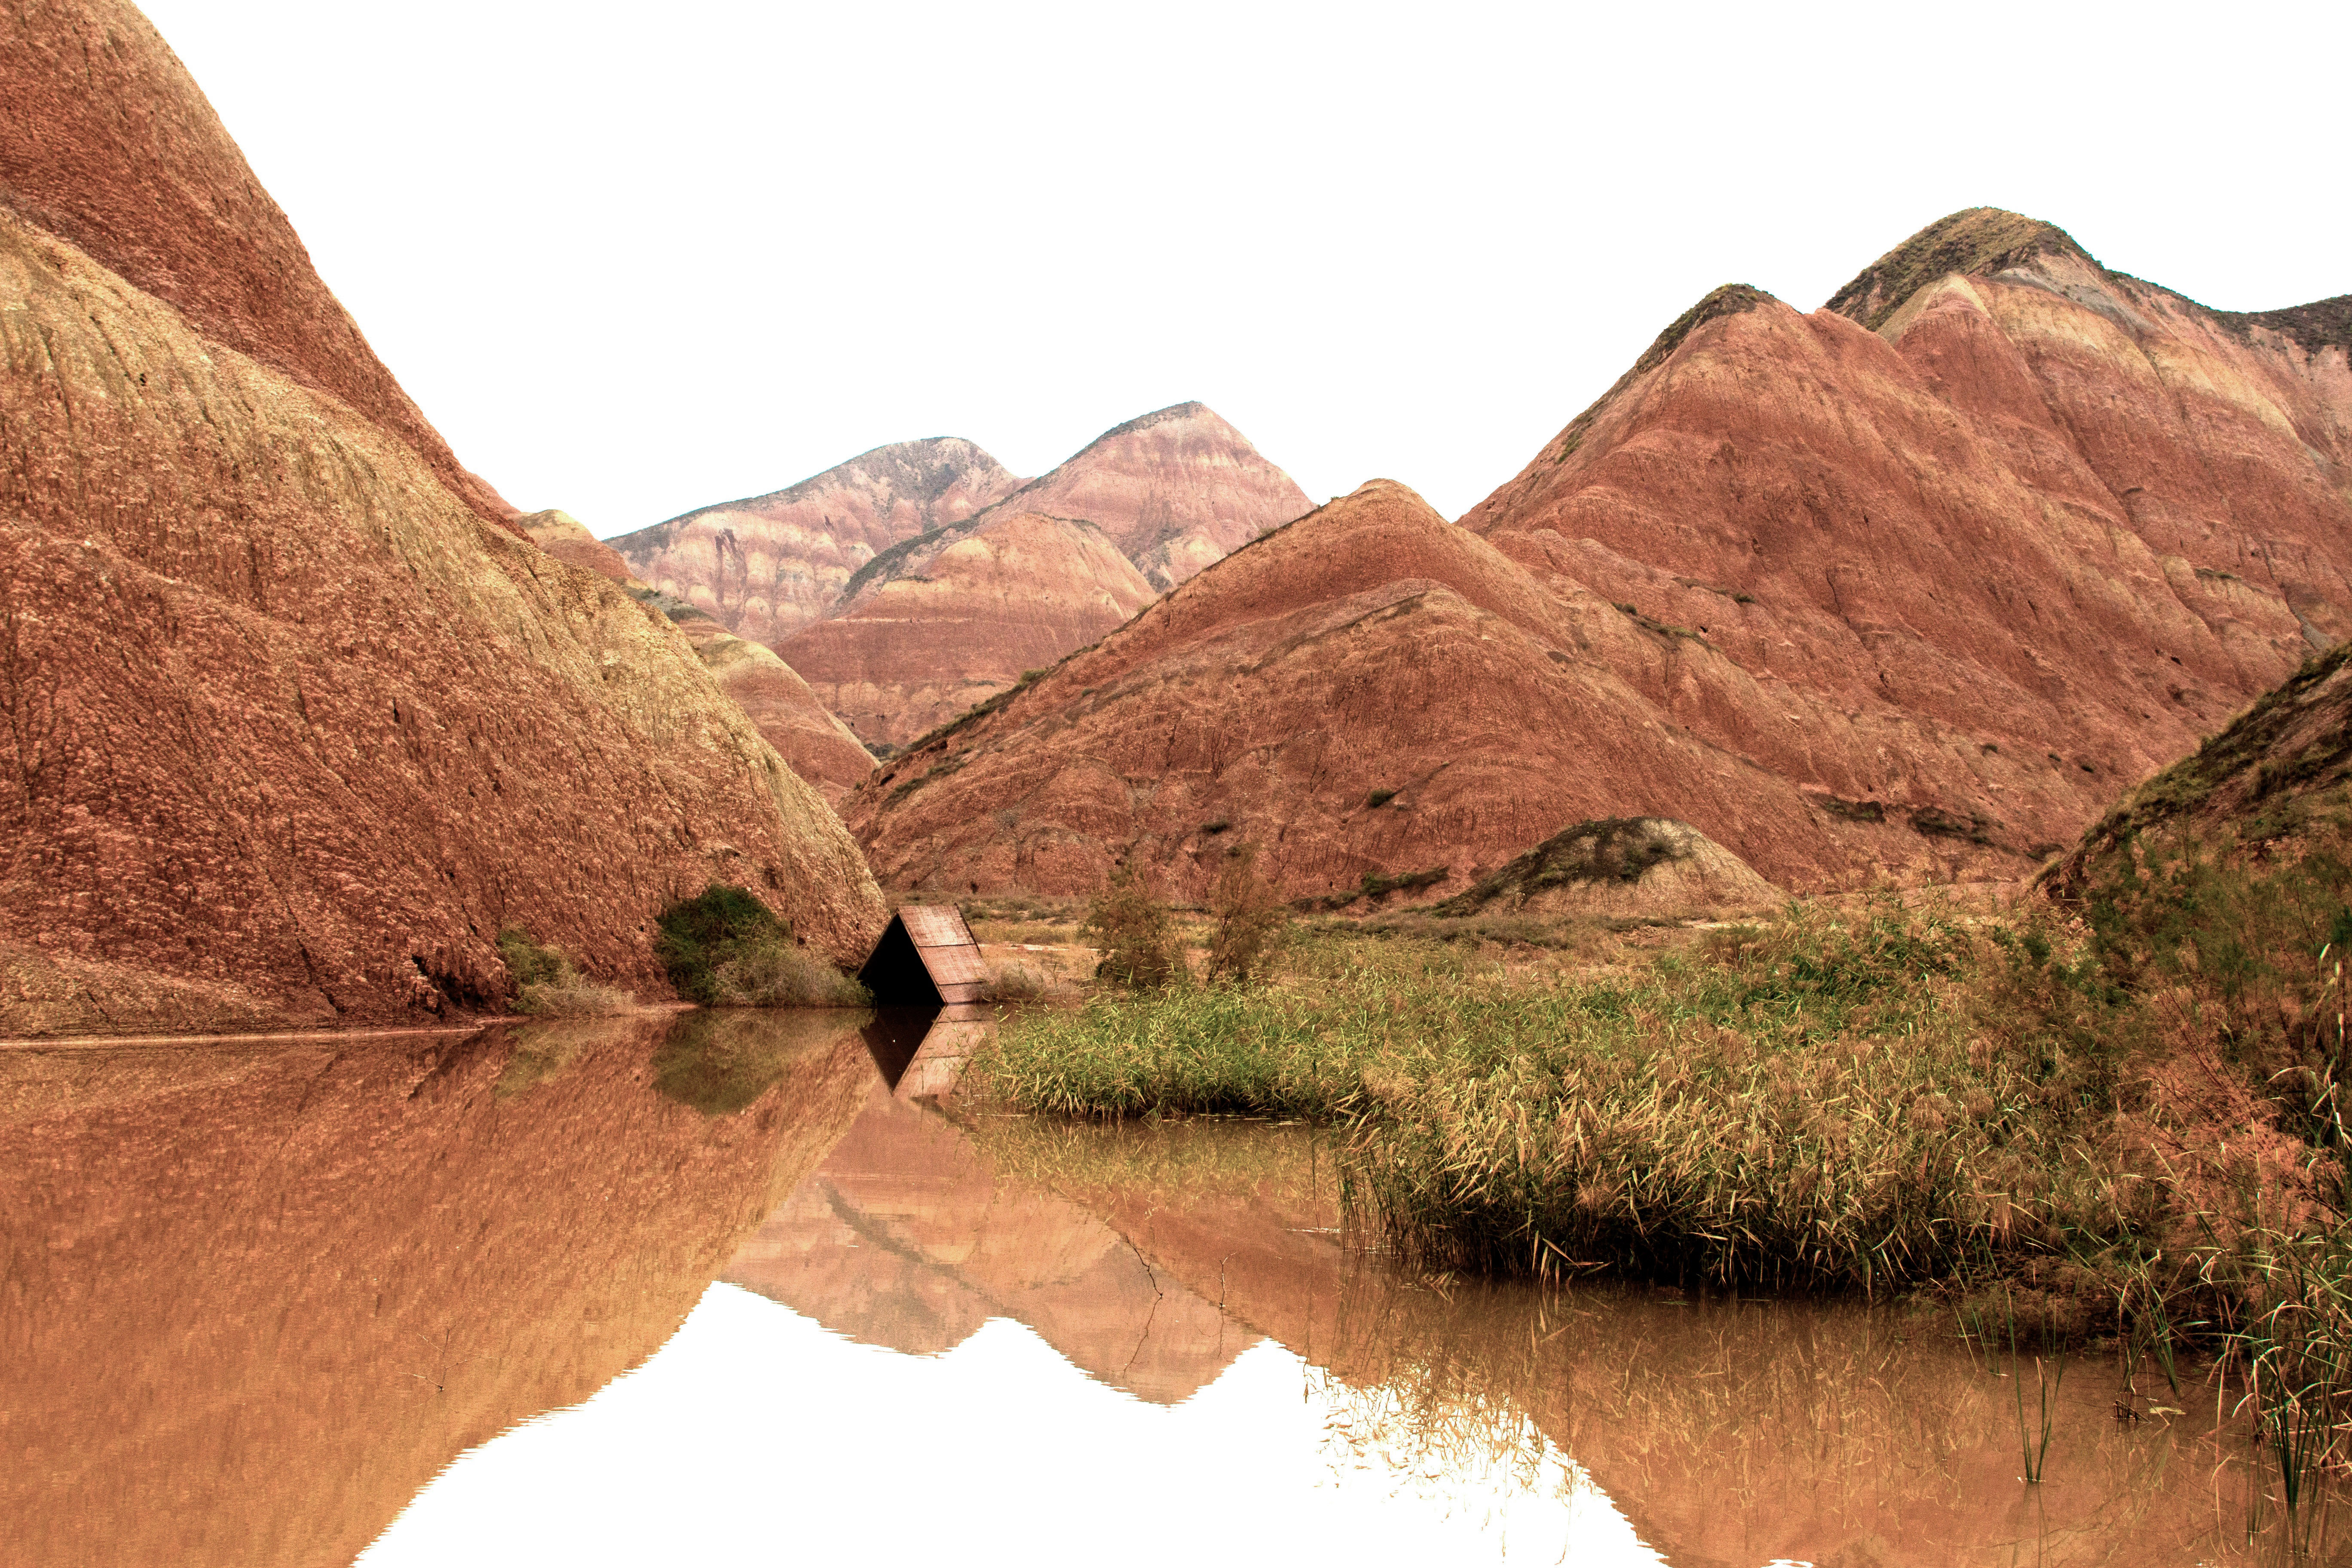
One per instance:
(1250,918)
(1132,931)
(724,948)
(547,986)
(529,964)
(573,995)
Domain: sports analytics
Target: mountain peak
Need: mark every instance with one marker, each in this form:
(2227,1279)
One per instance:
(1976,240)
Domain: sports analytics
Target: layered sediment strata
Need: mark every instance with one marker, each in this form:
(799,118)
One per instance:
(764,567)
(1915,585)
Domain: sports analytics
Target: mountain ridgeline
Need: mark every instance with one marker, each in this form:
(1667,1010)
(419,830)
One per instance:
(1915,585)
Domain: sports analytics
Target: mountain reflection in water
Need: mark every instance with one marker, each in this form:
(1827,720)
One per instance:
(259,1294)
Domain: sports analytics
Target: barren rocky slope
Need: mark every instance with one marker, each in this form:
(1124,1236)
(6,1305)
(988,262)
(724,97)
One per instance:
(918,651)
(1917,592)
(766,565)
(291,730)
(812,742)
(106,144)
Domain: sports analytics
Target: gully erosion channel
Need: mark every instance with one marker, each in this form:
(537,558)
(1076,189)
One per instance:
(725,1286)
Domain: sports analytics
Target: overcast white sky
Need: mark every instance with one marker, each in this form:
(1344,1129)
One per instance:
(631,260)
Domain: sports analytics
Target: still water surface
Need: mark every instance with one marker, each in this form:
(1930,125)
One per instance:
(706,1290)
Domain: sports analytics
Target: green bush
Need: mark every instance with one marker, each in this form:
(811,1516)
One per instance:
(724,948)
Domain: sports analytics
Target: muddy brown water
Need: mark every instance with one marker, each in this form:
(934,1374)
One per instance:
(703,1289)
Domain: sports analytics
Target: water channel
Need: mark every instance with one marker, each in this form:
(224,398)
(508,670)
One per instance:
(720,1287)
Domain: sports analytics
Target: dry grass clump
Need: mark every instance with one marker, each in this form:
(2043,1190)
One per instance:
(1135,935)
(775,975)
(1248,919)
(548,986)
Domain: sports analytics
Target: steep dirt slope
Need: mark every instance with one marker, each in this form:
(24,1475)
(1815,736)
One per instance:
(812,742)
(787,712)
(1919,599)
(766,565)
(1369,690)
(290,729)
(2281,773)
(106,142)
(1014,597)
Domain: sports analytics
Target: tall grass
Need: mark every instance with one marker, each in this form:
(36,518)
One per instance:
(2121,1112)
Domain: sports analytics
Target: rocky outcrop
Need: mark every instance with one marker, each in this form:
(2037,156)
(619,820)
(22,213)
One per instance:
(290,731)
(1913,585)
(995,605)
(766,565)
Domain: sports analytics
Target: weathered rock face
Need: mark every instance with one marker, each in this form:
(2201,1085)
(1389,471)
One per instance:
(1174,491)
(766,565)
(291,732)
(1014,597)
(789,716)
(1917,599)
(812,742)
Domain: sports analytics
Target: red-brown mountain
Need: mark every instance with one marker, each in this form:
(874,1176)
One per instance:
(1916,583)
(295,719)
(949,618)
(766,565)
(918,649)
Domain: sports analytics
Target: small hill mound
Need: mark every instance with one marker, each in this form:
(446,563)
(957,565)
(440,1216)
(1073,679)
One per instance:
(1621,867)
